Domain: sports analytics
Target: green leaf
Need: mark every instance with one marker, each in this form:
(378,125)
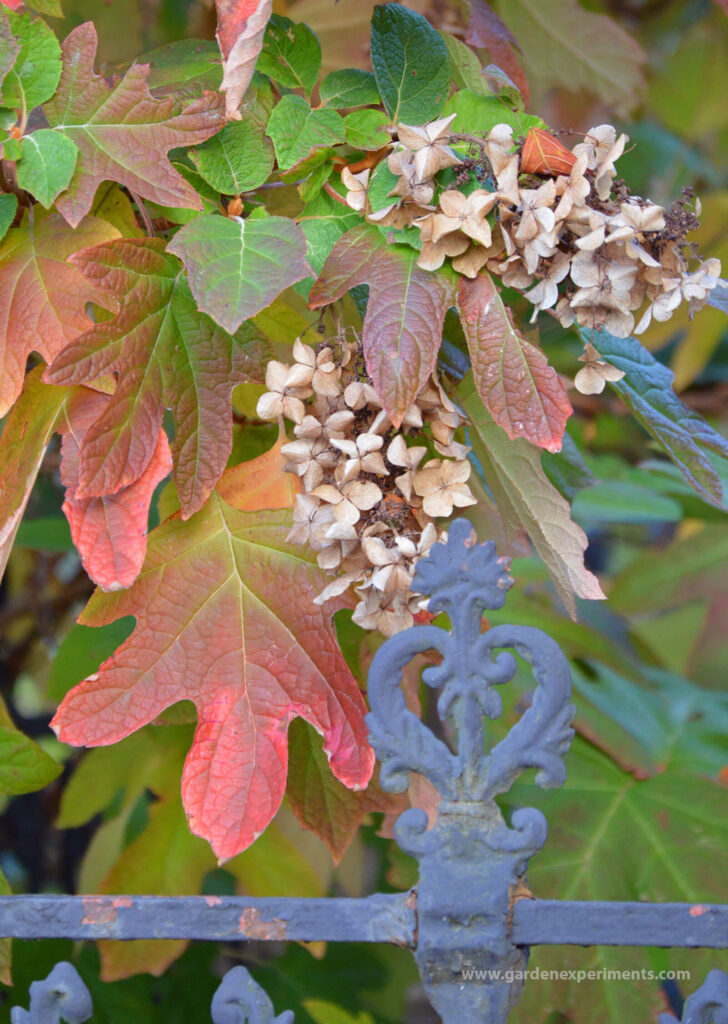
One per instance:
(9,50)
(647,389)
(81,652)
(237,159)
(563,44)
(37,69)
(49,160)
(24,766)
(367,129)
(323,222)
(405,313)
(479,114)
(411,64)
(8,209)
(310,188)
(51,8)
(619,501)
(296,129)
(466,70)
(350,87)
(528,501)
(291,54)
(186,68)
(661,839)
(49,533)
(236,268)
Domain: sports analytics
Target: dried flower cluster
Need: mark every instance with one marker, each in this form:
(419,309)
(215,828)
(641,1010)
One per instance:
(576,244)
(370,499)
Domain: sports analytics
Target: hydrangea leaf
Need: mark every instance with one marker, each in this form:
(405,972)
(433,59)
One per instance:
(323,222)
(9,45)
(238,267)
(24,766)
(523,394)
(482,113)
(48,163)
(37,67)
(528,501)
(682,434)
(291,54)
(110,531)
(261,483)
(465,68)
(404,317)
(247,646)
(23,443)
(367,129)
(320,802)
(8,209)
(237,159)
(240,32)
(350,87)
(411,64)
(164,353)
(42,297)
(487,31)
(123,133)
(296,129)
(185,68)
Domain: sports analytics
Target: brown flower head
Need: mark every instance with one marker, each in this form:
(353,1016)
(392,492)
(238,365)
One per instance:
(591,379)
(428,142)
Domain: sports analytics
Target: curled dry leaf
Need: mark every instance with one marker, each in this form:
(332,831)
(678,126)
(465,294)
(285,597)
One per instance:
(240,30)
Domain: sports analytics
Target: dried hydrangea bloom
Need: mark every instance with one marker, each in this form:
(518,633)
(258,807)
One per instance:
(356,188)
(287,387)
(465,213)
(592,378)
(363,455)
(398,454)
(324,373)
(572,190)
(505,163)
(442,485)
(545,293)
(429,143)
(602,148)
(350,499)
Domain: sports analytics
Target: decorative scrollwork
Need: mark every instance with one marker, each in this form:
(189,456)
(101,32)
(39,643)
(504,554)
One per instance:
(241,1000)
(62,996)
(472,864)
(464,579)
(708,1005)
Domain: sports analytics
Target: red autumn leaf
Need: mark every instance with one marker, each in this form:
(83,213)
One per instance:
(42,298)
(405,312)
(225,618)
(486,30)
(110,532)
(523,394)
(123,133)
(165,353)
(543,154)
(240,30)
(12,4)
(23,442)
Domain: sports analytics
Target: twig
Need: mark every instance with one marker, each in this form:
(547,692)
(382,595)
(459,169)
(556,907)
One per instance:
(143,213)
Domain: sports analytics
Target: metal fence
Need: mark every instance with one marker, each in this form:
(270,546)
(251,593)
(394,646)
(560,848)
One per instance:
(471,919)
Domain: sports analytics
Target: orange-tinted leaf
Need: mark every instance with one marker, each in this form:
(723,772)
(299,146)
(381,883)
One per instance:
(260,483)
(543,154)
(240,30)
(165,354)
(42,297)
(110,532)
(405,312)
(523,394)
(321,803)
(226,619)
(123,133)
(23,442)
(486,30)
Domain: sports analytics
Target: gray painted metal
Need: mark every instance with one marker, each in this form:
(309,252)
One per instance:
(472,910)
(63,996)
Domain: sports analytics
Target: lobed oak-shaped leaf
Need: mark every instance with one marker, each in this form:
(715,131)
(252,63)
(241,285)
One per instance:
(523,394)
(406,309)
(23,443)
(487,31)
(42,297)
(110,531)
(123,133)
(238,267)
(226,619)
(165,353)
(527,500)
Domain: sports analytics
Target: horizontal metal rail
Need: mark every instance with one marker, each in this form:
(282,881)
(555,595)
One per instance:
(388,918)
(573,923)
